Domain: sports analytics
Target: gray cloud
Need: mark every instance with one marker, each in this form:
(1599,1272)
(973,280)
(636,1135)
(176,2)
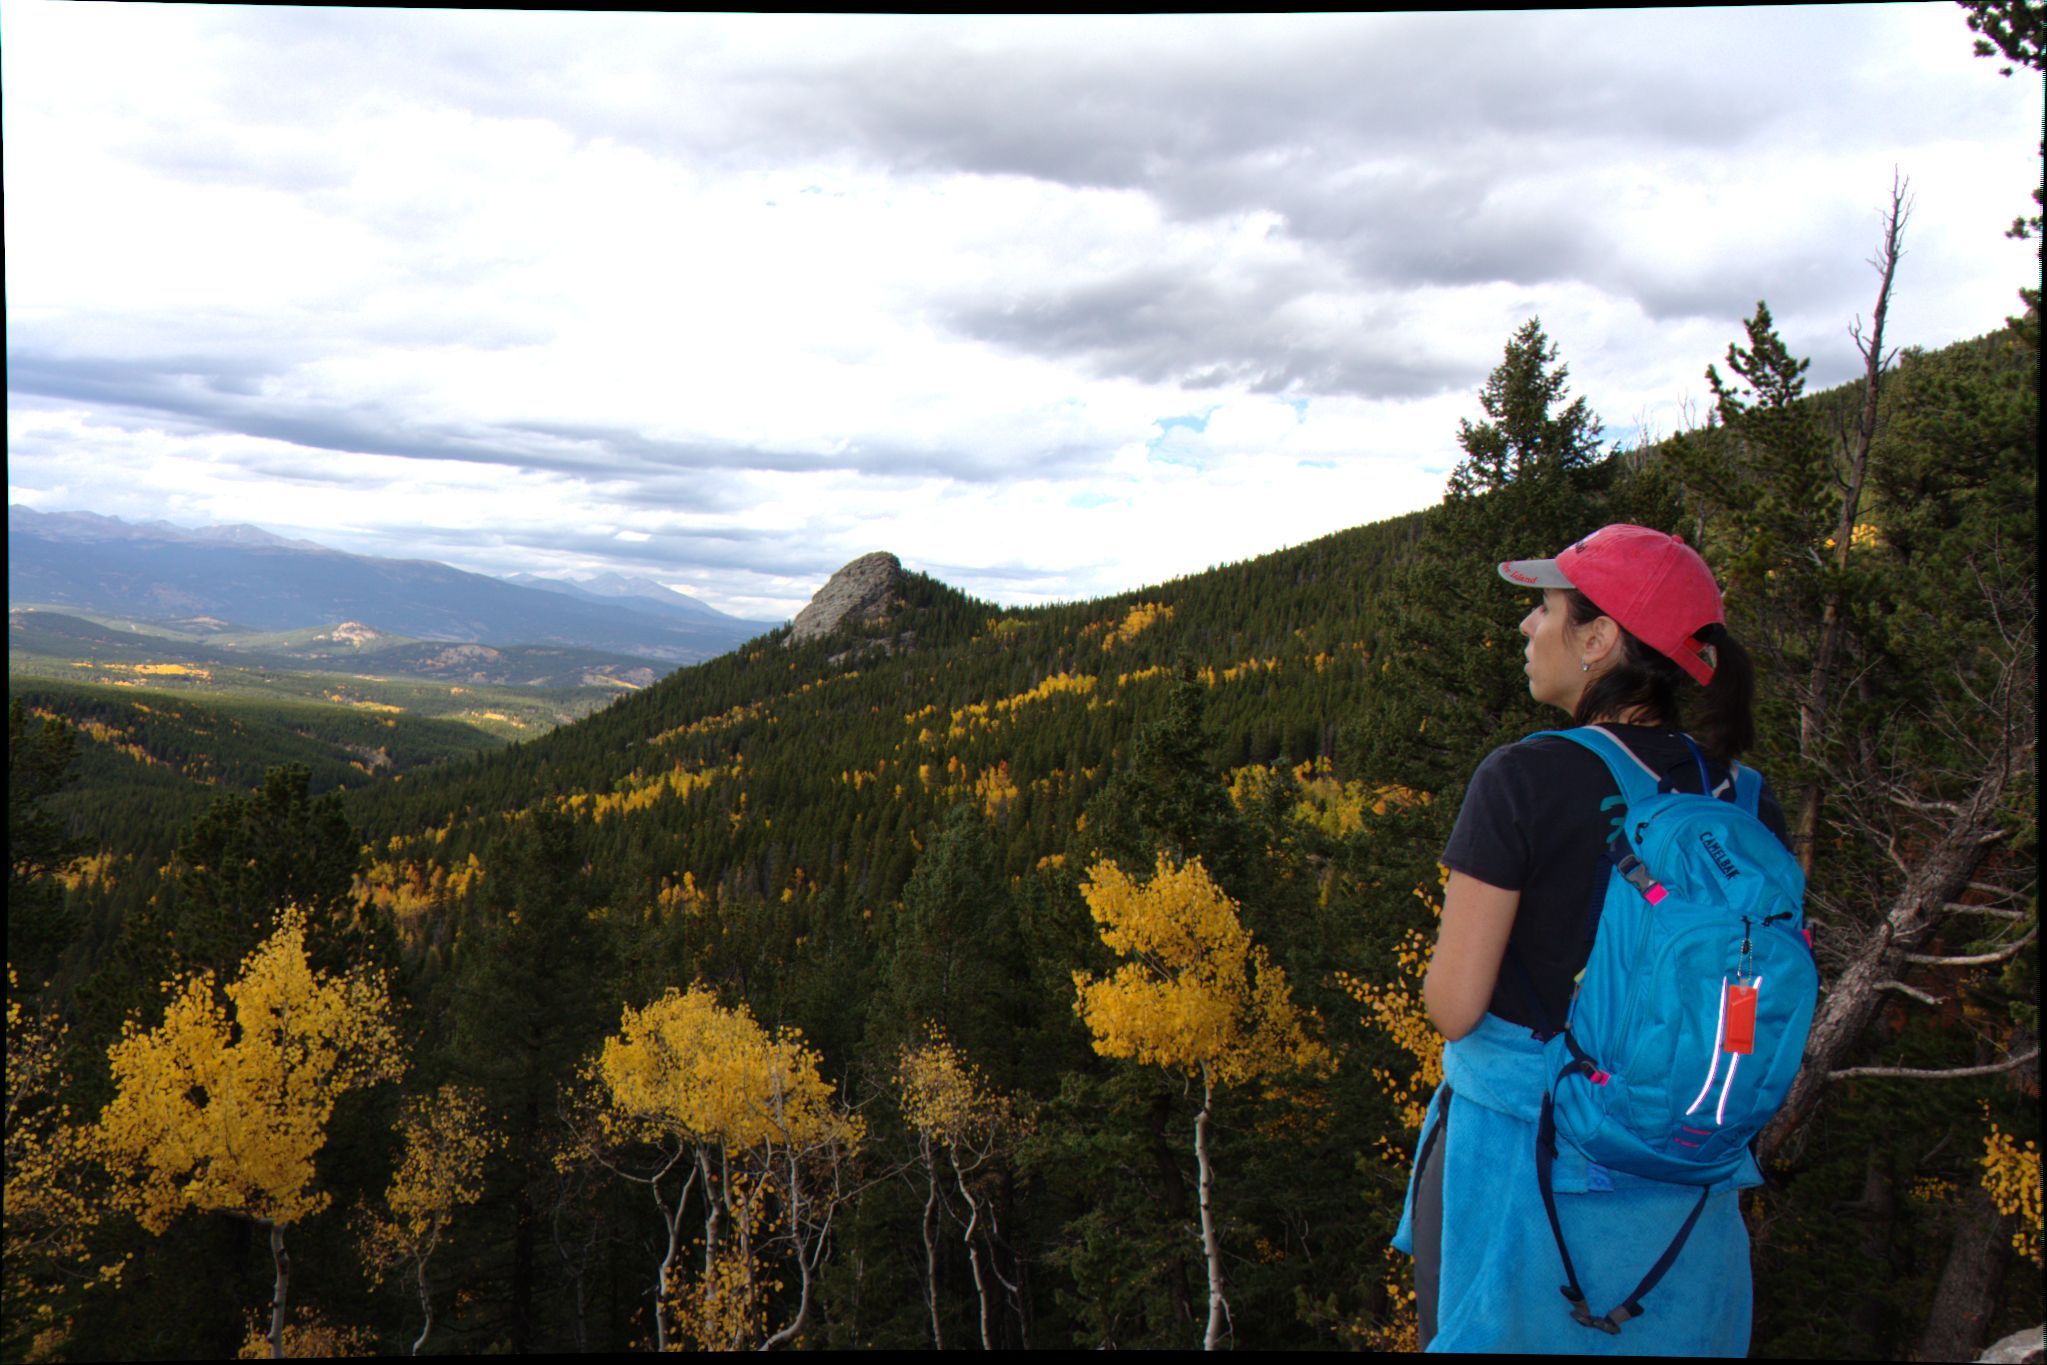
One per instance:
(1165,325)
(1389,153)
(225,393)
(1402,150)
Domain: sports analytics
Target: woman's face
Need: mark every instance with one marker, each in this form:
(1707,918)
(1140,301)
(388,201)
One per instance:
(1556,676)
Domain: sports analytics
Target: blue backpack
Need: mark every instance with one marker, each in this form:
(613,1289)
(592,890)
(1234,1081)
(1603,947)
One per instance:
(1688,1024)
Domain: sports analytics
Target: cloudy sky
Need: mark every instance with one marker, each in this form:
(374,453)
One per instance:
(1050,308)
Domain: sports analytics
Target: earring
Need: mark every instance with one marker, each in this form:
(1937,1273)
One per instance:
(1585,667)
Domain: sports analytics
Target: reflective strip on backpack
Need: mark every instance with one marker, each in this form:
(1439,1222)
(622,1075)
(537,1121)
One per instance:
(1720,1036)
(1720,1114)
(1719,1032)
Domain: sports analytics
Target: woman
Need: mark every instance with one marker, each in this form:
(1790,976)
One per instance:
(1626,615)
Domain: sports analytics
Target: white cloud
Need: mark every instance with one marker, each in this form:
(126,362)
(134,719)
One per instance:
(729,300)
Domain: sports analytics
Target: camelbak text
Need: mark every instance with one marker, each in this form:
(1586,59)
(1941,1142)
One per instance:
(1718,855)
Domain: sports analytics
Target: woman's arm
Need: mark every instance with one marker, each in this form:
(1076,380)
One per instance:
(1477,918)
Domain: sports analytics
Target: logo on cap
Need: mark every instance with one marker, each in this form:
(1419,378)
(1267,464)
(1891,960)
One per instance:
(1507,568)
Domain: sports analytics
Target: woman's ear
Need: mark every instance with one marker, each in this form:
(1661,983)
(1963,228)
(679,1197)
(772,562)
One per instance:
(1598,641)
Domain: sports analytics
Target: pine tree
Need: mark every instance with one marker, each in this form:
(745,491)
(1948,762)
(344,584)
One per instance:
(39,762)
(954,959)
(531,997)
(1450,685)
(1169,798)
(250,854)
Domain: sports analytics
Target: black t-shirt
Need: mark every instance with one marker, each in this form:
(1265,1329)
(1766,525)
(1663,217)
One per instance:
(1532,821)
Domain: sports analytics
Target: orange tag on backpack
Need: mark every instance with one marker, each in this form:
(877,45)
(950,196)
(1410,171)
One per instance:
(1740,1033)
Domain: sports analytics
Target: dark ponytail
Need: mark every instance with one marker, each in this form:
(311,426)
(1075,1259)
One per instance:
(1726,724)
(1646,683)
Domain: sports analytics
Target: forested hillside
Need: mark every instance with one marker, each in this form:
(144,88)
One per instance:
(983,977)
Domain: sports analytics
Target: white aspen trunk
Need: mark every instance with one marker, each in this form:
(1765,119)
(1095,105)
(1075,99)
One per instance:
(743,1227)
(803,1255)
(1211,1245)
(714,1214)
(973,1252)
(673,1220)
(426,1304)
(282,1262)
(931,1243)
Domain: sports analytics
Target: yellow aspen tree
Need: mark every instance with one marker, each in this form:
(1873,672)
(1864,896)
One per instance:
(1396,1009)
(965,1125)
(49,1214)
(750,1116)
(447,1138)
(1196,996)
(2011,1174)
(308,1336)
(226,1114)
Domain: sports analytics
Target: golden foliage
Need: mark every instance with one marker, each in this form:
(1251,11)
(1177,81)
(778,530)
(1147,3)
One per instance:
(94,870)
(711,724)
(1143,675)
(1135,622)
(48,1212)
(986,715)
(727,1306)
(307,1336)
(1334,807)
(447,1137)
(409,890)
(769,1137)
(639,791)
(945,1098)
(1198,995)
(684,895)
(685,1065)
(2011,1174)
(994,790)
(220,1115)
(1396,1008)
(1401,1333)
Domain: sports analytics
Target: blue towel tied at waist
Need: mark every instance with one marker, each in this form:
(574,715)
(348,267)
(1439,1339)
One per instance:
(1500,1274)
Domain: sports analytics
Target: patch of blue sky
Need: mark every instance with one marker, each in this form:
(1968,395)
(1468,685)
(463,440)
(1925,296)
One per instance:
(1630,437)
(1092,500)
(1176,441)
(1316,464)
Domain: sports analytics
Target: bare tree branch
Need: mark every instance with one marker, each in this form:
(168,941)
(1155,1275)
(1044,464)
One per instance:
(1937,1073)
(1956,907)
(2004,954)
(1921,996)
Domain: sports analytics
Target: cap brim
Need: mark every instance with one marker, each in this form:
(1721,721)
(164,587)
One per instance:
(1534,573)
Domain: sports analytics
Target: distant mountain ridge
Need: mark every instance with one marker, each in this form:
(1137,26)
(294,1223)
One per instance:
(619,590)
(157,571)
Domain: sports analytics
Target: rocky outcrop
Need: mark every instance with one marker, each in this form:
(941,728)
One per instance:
(352,633)
(863,591)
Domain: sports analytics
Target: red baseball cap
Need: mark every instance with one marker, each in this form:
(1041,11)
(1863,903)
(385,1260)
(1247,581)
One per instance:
(1655,585)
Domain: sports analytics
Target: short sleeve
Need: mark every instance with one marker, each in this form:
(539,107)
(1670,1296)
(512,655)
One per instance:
(1490,839)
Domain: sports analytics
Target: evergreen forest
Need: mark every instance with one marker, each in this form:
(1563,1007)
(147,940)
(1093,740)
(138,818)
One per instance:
(1002,978)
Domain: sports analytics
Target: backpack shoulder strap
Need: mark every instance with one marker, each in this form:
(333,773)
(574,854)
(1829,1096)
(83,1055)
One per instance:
(1748,787)
(1636,779)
